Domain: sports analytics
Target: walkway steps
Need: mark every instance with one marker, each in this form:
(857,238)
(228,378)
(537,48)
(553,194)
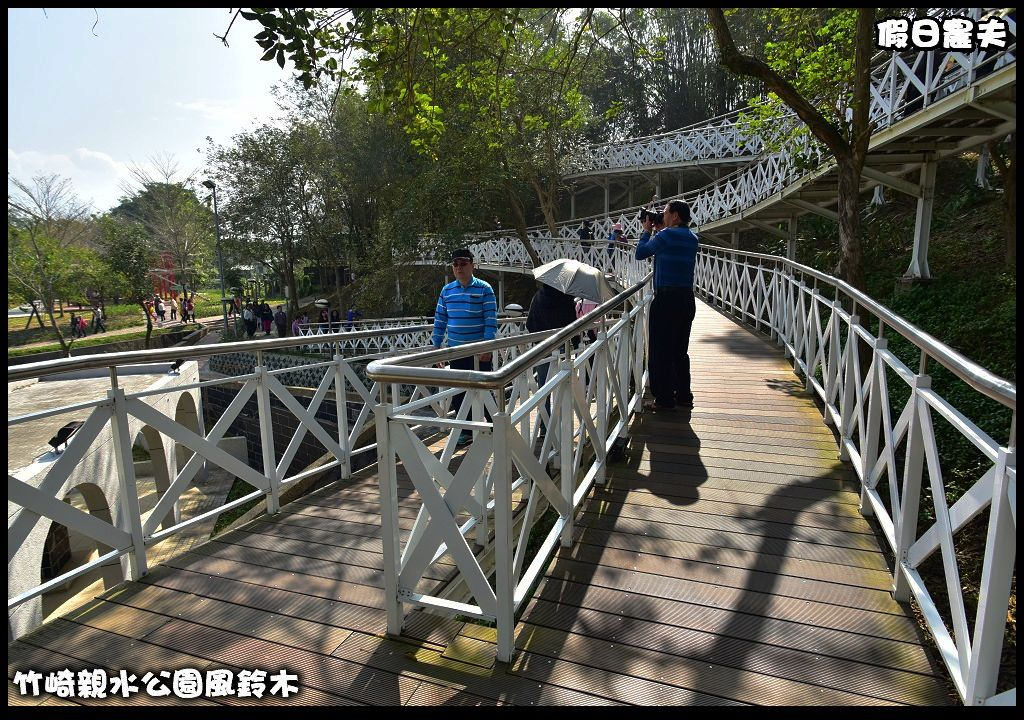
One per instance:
(724,562)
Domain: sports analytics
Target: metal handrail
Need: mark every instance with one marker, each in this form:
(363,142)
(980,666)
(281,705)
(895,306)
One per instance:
(134,357)
(979,378)
(398,371)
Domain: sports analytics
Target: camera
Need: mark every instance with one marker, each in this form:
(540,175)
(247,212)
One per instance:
(656,216)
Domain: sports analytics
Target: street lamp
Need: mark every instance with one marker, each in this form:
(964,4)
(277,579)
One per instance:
(220,258)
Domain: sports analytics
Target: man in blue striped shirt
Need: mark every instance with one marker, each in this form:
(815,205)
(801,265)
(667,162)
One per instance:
(468,311)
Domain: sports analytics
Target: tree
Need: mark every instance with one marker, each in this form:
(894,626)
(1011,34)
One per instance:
(491,94)
(263,190)
(808,66)
(656,70)
(1004,157)
(129,257)
(177,223)
(45,226)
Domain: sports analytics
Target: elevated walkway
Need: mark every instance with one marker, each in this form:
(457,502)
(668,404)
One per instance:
(710,569)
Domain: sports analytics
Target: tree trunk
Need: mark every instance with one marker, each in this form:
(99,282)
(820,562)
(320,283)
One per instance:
(545,200)
(519,219)
(849,268)
(60,304)
(65,346)
(289,278)
(1010,202)
(149,323)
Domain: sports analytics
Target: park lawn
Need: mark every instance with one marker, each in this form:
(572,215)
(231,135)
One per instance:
(100,339)
(118,317)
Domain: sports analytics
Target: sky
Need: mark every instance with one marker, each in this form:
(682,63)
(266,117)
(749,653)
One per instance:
(87,103)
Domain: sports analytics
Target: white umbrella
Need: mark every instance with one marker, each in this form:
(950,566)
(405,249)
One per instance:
(575,278)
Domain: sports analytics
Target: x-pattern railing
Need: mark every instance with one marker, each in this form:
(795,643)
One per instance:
(121,414)
(416,333)
(911,80)
(542,427)
(816,319)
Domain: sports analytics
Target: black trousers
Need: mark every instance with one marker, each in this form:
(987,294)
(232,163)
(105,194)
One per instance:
(466,363)
(668,328)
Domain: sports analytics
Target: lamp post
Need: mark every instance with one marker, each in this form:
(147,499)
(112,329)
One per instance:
(220,257)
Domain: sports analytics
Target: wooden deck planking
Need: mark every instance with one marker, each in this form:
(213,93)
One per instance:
(724,562)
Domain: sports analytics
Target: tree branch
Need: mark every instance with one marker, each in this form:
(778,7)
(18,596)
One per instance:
(748,65)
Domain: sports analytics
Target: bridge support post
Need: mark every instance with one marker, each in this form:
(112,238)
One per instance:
(133,564)
(390,543)
(734,240)
(981,177)
(607,196)
(267,435)
(878,197)
(918,269)
(906,526)
(501,292)
(572,204)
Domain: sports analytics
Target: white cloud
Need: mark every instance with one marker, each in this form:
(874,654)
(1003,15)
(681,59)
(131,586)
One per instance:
(95,175)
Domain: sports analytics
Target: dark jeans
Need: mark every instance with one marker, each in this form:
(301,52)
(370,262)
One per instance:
(466,363)
(669,326)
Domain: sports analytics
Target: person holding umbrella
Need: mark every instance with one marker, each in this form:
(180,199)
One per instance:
(675,253)
(550,309)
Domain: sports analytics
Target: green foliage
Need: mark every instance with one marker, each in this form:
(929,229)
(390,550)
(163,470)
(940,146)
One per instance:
(128,255)
(176,223)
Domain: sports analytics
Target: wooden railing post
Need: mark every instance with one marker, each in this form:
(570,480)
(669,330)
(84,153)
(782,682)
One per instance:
(341,407)
(504,583)
(390,544)
(133,564)
(996,580)
(267,436)
(910,499)
(565,433)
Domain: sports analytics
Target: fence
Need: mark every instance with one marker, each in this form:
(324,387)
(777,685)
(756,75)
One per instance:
(549,406)
(817,319)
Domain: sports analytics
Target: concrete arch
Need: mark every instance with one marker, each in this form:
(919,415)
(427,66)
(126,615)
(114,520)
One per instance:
(186,414)
(88,497)
(153,442)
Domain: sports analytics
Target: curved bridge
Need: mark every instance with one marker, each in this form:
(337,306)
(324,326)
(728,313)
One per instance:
(724,558)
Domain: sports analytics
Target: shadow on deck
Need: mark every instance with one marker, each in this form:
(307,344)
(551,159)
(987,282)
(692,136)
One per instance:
(724,562)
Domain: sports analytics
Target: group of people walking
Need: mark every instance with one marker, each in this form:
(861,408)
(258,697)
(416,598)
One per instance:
(467,310)
(259,316)
(158,308)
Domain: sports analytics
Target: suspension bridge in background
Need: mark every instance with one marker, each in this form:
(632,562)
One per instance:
(763,549)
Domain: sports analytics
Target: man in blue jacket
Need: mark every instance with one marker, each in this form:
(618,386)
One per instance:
(468,311)
(674,249)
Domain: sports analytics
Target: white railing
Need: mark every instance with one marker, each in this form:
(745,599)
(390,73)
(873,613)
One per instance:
(415,333)
(817,319)
(122,532)
(911,80)
(727,138)
(896,93)
(543,426)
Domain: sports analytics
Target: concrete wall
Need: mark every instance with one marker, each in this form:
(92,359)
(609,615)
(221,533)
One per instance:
(95,475)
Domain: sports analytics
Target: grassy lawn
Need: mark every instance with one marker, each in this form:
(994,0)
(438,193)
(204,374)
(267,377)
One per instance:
(100,339)
(119,317)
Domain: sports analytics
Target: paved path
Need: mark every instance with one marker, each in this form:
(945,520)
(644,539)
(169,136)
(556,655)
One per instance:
(725,562)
